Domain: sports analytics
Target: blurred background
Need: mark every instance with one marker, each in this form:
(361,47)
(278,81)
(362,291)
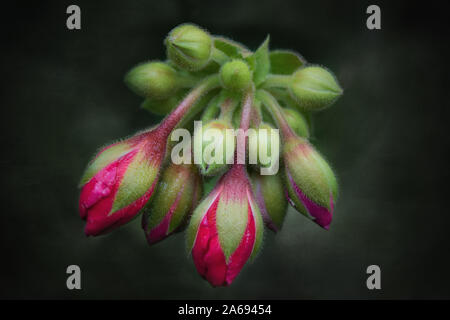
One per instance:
(63,97)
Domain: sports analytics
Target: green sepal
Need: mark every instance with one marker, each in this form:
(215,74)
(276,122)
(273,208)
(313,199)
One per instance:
(285,62)
(138,178)
(272,191)
(231,221)
(175,187)
(260,62)
(103,159)
(231,48)
(259,229)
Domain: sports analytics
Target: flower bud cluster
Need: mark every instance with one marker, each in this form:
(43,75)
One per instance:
(270,96)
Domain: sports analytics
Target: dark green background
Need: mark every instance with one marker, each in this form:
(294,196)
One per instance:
(63,97)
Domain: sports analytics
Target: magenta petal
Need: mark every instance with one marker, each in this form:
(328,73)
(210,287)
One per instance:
(208,256)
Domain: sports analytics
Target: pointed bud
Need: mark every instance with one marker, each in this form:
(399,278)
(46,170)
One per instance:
(314,88)
(189,47)
(155,80)
(311,184)
(225,229)
(177,194)
(119,181)
(264,145)
(297,122)
(271,200)
(217,143)
(235,75)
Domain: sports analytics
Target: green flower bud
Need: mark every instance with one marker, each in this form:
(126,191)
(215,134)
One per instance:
(176,195)
(189,47)
(271,200)
(217,145)
(154,80)
(235,75)
(297,122)
(264,146)
(314,88)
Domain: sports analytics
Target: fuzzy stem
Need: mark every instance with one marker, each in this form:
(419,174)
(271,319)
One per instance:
(227,106)
(219,56)
(277,80)
(256,115)
(275,110)
(171,121)
(245,123)
(187,81)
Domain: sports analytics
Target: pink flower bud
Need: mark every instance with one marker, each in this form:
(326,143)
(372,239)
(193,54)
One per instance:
(226,229)
(178,192)
(120,180)
(311,184)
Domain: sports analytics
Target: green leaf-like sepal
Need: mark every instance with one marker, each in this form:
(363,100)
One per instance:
(231,48)
(285,62)
(260,62)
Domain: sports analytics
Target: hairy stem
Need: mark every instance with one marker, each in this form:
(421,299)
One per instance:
(245,123)
(274,108)
(218,56)
(277,81)
(185,106)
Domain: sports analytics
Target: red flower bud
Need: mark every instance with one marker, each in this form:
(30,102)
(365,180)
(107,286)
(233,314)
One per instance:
(225,229)
(119,181)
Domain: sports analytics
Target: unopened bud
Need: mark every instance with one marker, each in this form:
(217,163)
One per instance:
(189,47)
(217,143)
(271,200)
(225,229)
(314,88)
(235,75)
(311,184)
(176,195)
(154,80)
